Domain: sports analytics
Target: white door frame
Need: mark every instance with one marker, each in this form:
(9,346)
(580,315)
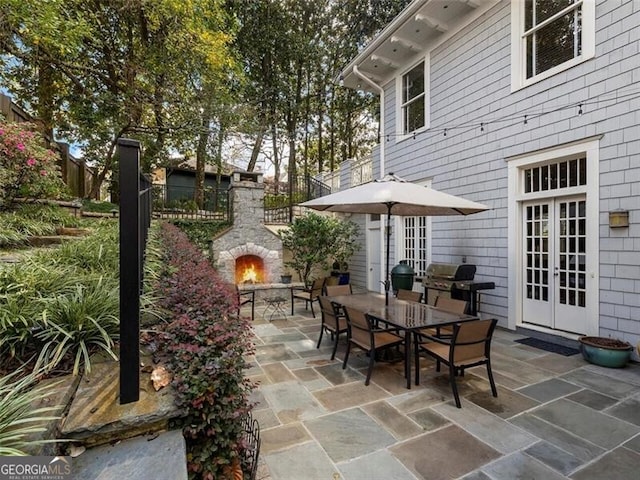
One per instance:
(515,195)
(374,228)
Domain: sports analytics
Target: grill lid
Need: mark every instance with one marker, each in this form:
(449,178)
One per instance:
(451,271)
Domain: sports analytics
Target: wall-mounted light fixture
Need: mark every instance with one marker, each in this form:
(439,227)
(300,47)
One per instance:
(618,218)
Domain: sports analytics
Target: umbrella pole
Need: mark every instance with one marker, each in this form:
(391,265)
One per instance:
(387,281)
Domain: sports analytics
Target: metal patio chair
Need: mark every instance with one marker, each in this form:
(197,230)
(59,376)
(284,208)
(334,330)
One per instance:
(469,346)
(333,321)
(308,294)
(363,333)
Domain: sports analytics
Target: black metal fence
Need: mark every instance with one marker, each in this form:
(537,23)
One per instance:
(179,202)
(135,220)
(283,208)
(251,436)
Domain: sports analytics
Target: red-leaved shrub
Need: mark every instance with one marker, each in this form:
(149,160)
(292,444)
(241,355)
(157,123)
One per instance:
(206,343)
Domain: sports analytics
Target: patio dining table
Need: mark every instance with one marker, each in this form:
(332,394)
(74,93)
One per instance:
(404,315)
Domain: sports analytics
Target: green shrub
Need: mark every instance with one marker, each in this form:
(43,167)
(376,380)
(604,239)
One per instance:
(98,252)
(51,214)
(100,207)
(79,323)
(200,232)
(18,419)
(27,167)
(28,220)
(63,303)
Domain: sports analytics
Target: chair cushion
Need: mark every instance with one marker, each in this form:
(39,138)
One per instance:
(385,338)
(302,295)
(442,351)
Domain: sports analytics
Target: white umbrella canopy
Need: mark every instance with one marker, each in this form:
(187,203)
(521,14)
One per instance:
(393,195)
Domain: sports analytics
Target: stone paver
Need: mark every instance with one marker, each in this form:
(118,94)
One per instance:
(492,430)
(557,459)
(308,457)
(620,463)
(555,417)
(593,426)
(349,434)
(549,390)
(592,399)
(520,466)
(139,457)
(380,464)
(452,452)
(397,424)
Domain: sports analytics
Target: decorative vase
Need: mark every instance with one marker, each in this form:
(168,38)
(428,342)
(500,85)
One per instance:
(285,278)
(606,352)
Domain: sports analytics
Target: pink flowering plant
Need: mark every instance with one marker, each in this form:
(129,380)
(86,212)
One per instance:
(27,168)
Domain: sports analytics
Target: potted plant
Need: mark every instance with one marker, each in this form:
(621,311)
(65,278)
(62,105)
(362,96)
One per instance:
(285,278)
(314,239)
(606,352)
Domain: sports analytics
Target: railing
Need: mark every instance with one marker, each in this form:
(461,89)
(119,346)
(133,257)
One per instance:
(283,208)
(179,202)
(135,220)
(361,171)
(332,179)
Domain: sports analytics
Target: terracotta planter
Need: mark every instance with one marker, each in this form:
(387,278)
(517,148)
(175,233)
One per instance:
(606,352)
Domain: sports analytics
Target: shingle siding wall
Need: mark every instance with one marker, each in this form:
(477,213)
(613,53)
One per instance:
(470,77)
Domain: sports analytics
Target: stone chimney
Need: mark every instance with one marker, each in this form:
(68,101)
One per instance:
(248,235)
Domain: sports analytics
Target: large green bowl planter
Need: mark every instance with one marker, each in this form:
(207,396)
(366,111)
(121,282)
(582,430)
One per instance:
(606,352)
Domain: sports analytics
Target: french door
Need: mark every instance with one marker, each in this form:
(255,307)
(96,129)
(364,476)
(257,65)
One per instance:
(556,286)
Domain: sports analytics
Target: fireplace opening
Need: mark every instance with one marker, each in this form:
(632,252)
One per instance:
(249,269)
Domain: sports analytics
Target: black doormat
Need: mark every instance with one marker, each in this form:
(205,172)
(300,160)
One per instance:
(548,346)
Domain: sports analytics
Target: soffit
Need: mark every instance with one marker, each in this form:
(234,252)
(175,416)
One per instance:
(416,30)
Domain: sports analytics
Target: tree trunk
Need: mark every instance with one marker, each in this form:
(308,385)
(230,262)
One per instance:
(98,179)
(276,158)
(257,145)
(201,159)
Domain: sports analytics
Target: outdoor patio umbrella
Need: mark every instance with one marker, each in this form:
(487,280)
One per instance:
(394,195)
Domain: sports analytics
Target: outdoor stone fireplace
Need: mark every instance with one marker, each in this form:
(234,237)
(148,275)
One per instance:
(248,253)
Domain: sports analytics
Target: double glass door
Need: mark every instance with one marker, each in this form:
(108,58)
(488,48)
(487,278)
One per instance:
(555,280)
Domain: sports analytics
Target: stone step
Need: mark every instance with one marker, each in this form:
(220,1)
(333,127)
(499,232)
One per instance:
(96,416)
(159,457)
(59,395)
(73,231)
(46,240)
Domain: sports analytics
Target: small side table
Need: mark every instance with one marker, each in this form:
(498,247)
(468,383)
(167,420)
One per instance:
(274,306)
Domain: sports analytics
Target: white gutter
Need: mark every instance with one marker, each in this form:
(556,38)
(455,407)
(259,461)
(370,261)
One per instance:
(380,90)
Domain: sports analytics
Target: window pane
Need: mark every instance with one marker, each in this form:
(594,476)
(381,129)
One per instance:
(528,14)
(413,83)
(415,115)
(543,9)
(554,44)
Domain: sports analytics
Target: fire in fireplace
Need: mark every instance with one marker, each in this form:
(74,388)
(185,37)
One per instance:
(249,269)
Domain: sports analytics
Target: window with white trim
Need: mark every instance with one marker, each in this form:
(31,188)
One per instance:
(413,99)
(415,243)
(550,36)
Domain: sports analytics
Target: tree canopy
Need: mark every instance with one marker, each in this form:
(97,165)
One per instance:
(180,76)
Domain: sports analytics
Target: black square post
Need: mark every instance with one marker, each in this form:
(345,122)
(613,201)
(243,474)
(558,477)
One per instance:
(130,270)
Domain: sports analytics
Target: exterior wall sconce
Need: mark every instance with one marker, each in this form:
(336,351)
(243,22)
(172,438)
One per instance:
(618,218)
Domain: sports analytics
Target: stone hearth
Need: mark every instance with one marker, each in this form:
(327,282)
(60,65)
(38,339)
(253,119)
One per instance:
(248,235)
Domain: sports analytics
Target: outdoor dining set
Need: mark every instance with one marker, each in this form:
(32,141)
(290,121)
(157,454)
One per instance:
(405,325)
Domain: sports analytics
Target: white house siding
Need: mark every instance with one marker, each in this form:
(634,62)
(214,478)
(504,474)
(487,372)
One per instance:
(471,83)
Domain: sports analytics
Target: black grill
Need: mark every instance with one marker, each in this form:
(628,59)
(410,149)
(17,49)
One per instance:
(456,280)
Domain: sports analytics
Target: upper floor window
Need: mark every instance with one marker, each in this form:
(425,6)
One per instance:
(413,99)
(549,36)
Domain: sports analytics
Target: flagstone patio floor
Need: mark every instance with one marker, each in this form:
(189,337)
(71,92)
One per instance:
(555,417)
